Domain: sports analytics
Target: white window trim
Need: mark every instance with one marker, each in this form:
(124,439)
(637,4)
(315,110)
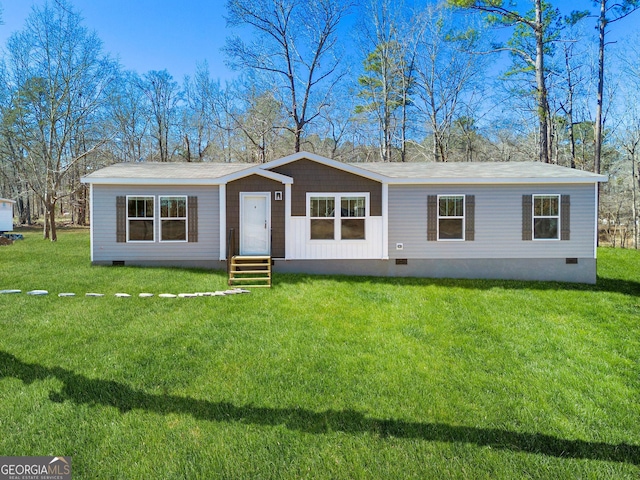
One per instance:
(140,218)
(463,217)
(533,217)
(337,196)
(185,218)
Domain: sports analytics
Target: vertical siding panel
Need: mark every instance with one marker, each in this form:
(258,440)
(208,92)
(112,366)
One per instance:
(121,218)
(527,219)
(192,211)
(470,215)
(565,217)
(432,218)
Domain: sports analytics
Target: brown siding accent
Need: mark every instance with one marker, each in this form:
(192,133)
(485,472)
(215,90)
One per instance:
(256,183)
(565,217)
(470,217)
(527,212)
(432,218)
(192,212)
(309,176)
(121,219)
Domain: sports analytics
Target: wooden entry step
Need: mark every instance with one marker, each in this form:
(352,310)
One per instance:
(250,271)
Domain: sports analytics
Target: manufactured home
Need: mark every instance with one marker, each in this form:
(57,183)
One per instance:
(6,215)
(515,220)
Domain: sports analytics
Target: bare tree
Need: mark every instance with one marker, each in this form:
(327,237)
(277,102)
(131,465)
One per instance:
(128,113)
(60,81)
(446,72)
(610,12)
(163,97)
(296,45)
(497,12)
(385,85)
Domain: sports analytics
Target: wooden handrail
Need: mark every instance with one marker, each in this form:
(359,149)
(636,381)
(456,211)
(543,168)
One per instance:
(231,248)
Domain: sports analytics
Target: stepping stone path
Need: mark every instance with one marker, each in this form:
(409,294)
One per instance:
(217,293)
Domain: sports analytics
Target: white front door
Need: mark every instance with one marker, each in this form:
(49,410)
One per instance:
(255,223)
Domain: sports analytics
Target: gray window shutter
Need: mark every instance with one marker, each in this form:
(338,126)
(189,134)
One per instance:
(527,212)
(121,219)
(470,217)
(192,210)
(565,217)
(432,218)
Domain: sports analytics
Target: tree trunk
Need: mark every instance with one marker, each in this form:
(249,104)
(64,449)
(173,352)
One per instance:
(543,105)
(602,24)
(634,206)
(52,222)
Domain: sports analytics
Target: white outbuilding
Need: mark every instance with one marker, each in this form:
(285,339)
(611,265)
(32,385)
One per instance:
(6,215)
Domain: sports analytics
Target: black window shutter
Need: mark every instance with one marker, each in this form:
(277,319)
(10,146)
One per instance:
(470,217)
(565,217)
(432,218)
(121,219)
(193,219)
(527,212)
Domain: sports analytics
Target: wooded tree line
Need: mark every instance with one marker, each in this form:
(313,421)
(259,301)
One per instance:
(378,80)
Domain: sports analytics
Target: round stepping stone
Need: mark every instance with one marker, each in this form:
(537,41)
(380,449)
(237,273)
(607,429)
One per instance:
(145,295)
(2,292)
(218,294)
(68,294)
(94,295)
(38,292)
(187,295)
(167,295)
(122,295)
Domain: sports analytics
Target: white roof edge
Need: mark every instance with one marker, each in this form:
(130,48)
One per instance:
(347,167)
(256,170)
(151,181)
(7,200)
(189,181)
(494,180)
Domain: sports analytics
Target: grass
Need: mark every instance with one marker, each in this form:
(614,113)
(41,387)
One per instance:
(318,377)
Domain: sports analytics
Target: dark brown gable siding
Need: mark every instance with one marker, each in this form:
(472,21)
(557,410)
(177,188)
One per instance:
(256,183)
(309,176)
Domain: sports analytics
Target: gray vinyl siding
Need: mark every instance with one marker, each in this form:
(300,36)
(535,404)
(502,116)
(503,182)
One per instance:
(106,249)
(498,223)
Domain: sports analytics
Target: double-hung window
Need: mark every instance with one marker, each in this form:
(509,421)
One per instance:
(451,217)
(546,217)
(173,219)
(352,217)
(322,212)
(140,219)
(337,216)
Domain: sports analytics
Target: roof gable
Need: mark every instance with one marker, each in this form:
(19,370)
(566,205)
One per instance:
(353,168)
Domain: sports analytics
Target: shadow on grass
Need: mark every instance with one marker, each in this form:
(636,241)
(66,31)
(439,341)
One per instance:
(603,284)
(83,390)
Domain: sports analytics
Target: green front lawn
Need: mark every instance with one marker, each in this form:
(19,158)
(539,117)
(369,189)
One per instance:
(318,377)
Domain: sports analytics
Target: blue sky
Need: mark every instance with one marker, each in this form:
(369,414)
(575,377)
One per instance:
(146,34)
(176,34)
